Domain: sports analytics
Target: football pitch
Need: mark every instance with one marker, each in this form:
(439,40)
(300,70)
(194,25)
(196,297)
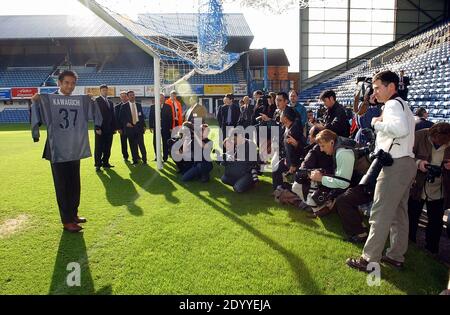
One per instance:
(149,233)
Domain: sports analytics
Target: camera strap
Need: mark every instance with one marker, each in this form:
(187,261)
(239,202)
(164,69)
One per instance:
(393,140)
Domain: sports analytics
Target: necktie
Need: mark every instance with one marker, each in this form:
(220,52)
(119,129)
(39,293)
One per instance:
(134,113)
(229,115)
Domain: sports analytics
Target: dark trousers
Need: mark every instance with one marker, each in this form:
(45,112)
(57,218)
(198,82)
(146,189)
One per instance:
(124,146)
(347,208)
(435,213)
(165,137)
(403,94)
(199,170)
(66,178)
(277,175)
(137,144)
(141,145)
(102,151)
(241,184)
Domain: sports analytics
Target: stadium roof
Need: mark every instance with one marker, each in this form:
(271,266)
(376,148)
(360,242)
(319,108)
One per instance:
(275,57)
(67,26)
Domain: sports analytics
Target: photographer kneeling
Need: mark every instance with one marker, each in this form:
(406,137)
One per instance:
(241,163)
(432,184)
(328,187)
(191,149)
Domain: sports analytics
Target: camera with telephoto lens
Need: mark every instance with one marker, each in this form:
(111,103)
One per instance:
(433,173)
(324,194)
(365,87)
(379,160)
(302,174)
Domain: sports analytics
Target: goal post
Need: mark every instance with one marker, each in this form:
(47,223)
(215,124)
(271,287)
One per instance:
(101,13)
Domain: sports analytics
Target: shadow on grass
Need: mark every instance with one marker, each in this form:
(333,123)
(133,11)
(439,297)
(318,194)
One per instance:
(152,182)
(72,249)
(237,208)
(120,191)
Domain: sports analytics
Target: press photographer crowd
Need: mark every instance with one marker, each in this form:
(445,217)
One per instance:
(377,160)
(377,165)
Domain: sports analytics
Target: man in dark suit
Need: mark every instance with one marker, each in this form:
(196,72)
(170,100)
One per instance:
(422,122)
(117,112)
(403,85)
(166,126)
(247,112)
(133,120)
(104,141)
(228,114)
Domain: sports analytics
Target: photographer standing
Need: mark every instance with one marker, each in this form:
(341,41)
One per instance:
(335,117)
(366,110)
(389,214)
(432,184)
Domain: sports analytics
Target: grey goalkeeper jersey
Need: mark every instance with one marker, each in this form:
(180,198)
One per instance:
(66,118)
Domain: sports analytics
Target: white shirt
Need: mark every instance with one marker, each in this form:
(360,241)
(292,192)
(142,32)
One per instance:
(134,113)
(397,124)
(61,93)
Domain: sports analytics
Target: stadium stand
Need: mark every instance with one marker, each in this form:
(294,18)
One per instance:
(14,116)
(425,58)
(24,77)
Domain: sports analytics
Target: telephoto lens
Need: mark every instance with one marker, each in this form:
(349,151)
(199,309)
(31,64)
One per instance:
(380,159)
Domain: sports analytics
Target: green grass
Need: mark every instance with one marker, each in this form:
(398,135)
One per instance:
(150,234)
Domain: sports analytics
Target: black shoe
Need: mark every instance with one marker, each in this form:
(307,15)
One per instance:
(355,239)
(108,165)
(98,169)
(80,220)
(358,264)
(392,262)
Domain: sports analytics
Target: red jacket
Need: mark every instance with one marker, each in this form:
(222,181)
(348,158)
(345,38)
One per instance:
(180,112)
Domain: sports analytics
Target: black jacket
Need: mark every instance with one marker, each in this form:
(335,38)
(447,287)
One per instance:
(294,154)
(117,113)
(268,110)
(336,120)
(406,83)
(246,116)
(126,117)
(109,124)
(222,115)
(166,118)
(316,159)
(422,123)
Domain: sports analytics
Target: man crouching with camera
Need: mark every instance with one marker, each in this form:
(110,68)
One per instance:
(326,187)
(389,213)
(432,184)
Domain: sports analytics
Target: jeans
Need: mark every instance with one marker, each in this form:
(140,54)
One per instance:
(199,170)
